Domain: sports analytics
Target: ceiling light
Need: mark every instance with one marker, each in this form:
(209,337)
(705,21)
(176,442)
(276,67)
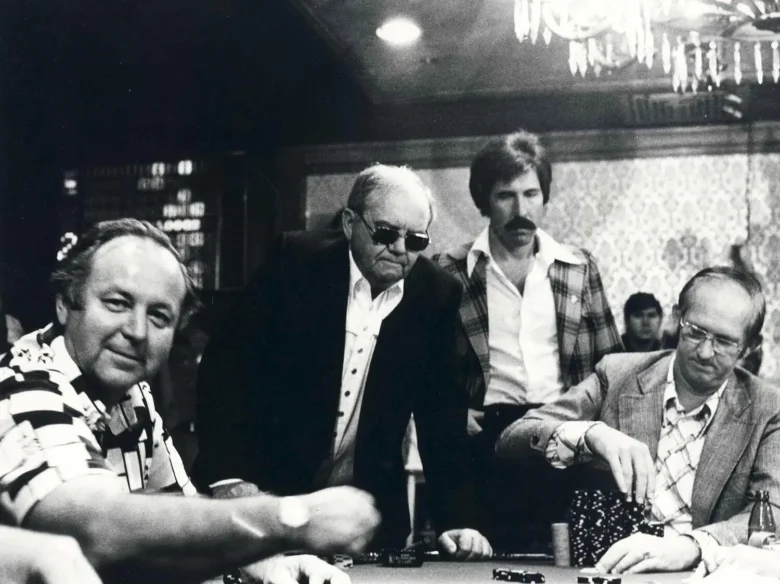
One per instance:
(399,31)
(695,39)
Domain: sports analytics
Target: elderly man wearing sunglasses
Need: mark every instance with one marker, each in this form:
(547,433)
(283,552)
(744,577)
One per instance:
(312,379)
(686,431)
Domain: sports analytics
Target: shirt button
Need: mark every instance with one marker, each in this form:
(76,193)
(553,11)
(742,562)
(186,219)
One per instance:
(360,351)
(341,414)
(354,371)
(346,393)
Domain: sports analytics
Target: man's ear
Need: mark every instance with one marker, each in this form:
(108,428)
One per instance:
(62,309)
(753,346)
(347,222)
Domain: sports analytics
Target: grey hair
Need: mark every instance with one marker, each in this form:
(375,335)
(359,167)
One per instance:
(380,179)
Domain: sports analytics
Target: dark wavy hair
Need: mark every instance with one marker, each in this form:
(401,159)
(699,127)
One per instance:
(641,301)
(745,280)
(71,276)
(504,158)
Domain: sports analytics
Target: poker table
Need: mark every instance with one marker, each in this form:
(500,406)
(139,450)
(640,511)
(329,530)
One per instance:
(442,572)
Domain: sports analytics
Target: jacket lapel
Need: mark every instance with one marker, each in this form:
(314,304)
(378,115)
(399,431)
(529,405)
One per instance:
(642,407)
(726,440)
(567,282)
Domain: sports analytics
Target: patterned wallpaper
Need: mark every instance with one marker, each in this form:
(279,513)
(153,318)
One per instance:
(650,222)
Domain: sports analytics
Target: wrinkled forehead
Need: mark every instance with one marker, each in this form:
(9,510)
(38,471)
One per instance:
(401,203)
(140,266)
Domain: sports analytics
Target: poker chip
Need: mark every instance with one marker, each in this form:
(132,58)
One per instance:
(598,519)
(342,561)
(508,575)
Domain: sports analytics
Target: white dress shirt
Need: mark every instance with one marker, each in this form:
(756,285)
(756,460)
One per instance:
(363,322)
(523,335)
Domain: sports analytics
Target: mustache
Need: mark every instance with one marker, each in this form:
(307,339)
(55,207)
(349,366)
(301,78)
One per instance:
(520,223)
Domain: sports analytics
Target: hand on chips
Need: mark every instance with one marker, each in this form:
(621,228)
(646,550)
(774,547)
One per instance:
(647,553)
(629,459)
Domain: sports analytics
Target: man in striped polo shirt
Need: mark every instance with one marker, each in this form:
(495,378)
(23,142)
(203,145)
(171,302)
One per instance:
(79,433)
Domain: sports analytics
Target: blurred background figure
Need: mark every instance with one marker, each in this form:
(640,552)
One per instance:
(643,316)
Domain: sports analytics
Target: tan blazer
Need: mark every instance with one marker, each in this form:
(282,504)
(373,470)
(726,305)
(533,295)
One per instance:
(741,451)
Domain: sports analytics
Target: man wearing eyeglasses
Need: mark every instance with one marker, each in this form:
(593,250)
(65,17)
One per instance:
(686,431)
(337,341)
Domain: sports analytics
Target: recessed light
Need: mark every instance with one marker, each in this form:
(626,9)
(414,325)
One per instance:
(399,31)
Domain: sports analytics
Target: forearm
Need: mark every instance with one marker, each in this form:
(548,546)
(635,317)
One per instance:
(145,537)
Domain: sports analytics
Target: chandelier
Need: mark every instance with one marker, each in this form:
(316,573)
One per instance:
(698,43)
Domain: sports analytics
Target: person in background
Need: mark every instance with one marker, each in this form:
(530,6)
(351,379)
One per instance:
(79,434)
(642,315)
(312,379)
(28,557)
(686,431)
(534,321)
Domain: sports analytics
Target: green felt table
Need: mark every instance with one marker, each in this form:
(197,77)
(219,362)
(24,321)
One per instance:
(482,573)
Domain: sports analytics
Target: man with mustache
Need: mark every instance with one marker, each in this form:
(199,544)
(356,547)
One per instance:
(687,431)
(313,377)
(80,438)
(535,314)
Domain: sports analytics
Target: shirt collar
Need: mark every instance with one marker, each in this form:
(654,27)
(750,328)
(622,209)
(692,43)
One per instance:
(357,280)
(671,397)
(549,250)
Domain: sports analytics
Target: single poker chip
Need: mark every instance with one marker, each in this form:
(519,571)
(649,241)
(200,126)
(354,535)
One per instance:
(401,558)
(517,575)
(342,561)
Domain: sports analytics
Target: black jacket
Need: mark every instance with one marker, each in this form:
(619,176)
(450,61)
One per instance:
(269,384)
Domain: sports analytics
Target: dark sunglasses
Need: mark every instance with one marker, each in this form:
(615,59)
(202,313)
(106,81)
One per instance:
(389,235)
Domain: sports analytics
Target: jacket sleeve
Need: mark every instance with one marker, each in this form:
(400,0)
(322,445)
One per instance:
(234,357)
(765,475)
(606,337)
(440,417)
(531,434)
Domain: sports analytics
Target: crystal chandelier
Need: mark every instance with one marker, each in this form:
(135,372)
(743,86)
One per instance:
(698,43)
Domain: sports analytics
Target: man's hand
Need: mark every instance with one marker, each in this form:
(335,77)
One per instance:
(647,553)
(755,560)
(629,459)
(29,557)
(294,570)
(341,519)
(474,422)
(465,544)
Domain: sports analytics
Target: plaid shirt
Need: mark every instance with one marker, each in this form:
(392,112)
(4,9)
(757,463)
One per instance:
(679,451)
(585,325)
(53,429)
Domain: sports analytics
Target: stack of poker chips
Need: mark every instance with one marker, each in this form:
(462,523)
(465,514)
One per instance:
(598,519)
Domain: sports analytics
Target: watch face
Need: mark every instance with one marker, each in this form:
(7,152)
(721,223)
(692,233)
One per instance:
(293,513)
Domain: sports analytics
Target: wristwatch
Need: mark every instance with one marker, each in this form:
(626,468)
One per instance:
(293,512)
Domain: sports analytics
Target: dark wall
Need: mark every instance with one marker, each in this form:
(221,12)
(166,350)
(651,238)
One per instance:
(86,82)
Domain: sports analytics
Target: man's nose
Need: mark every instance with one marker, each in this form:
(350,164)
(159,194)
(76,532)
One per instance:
(136,326)
(706,349)
(399,245)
